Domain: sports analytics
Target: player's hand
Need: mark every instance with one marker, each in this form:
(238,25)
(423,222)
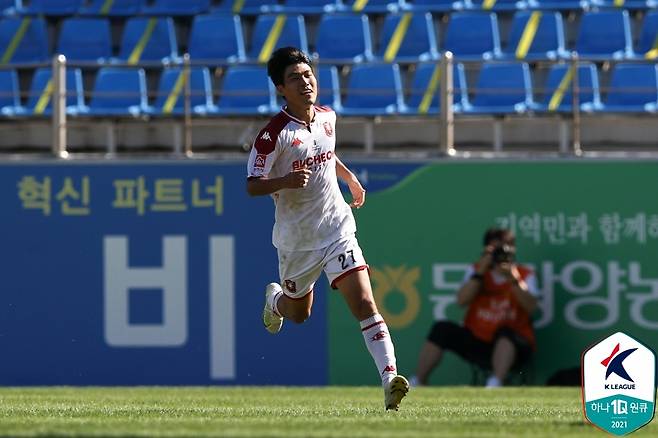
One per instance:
(298,179)
(484,264)
(358,193)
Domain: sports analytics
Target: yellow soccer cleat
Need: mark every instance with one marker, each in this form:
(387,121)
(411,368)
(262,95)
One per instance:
(395,392)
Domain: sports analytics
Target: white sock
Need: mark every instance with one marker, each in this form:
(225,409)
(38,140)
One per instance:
(273,300)
(380,346)
(493,382)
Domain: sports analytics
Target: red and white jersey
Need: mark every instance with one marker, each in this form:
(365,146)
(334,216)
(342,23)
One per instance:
(317,215)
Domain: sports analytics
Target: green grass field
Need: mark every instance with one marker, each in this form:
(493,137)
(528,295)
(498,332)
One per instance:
(294,412)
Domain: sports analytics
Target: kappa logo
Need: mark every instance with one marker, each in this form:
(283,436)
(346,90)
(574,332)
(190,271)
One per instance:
(266,136)
(260,160)
(379,336)
(615,365)
(291,286)
(388,369)
(296,142)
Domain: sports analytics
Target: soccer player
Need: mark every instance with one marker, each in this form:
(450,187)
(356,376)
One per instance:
(293,159)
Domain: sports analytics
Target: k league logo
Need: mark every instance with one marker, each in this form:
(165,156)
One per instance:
(619,384)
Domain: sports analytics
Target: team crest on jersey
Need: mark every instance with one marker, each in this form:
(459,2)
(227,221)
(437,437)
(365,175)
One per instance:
(296,142)
(291,286)
(328,129)
(266,136)
(260,160)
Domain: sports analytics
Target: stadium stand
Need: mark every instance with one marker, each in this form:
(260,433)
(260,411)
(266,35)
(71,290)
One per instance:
(39,100)
(408,37)
(274,31)
(216,39)
(246,7)
(85,40)
(329,84)
(437,5)
(307,7)
(558,94)
(633,89)
(10,99)
(605,35)
(23,40)
(371,6)
(177,7)
(113,8)
(119,92)
(536,35)
(246,90)
(424,97)
(53,7)
(473,36)
(502,88)
(149,39)
(647,46)
(170,97)
(344,38)
(374,89)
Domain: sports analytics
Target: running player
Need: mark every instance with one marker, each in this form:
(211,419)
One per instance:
(293,159)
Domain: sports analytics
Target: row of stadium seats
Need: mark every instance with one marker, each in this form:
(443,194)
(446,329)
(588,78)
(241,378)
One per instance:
(256,7)
(372,89)
(217,39)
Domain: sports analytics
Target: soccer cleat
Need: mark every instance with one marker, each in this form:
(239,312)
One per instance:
(271,320)
(395,392)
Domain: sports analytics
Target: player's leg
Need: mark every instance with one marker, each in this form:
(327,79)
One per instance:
(509,349)
(347,271)
(298,271)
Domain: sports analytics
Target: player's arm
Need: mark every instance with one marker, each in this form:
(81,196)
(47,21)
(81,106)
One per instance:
(357,190)
(521,290)
(265,186)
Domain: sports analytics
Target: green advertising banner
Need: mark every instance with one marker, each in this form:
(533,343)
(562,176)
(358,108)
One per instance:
(590,230)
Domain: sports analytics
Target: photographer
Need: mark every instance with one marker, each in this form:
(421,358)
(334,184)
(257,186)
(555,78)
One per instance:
(500,296)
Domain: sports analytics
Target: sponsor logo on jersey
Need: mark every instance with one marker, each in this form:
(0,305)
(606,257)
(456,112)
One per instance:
(266,136)
(296,142)
(260,160)
(312,161)
(328,129)
(291,286)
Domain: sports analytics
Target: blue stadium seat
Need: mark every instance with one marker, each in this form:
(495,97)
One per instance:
(633,89)
(473,36)
(216,39)
(10,98)
(53,7)
(10,7)
(502,88)
(536,36)
(500,5)
(85,40)
(114,8)
(604,35)
(308,6)
(370,6)
(559,5)
(274,31)
(329,87)
(23,40)
(558,91)
(177,7)
(39,100)
(425,87)
(149,40)
(647,46)
(624,4)
(246,90)
(373,90)
(344,38)
(437,5)
(170,98)
(408,37)
(247,7)
(119,92)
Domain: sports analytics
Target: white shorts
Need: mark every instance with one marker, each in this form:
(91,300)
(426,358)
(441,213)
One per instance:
(299,270)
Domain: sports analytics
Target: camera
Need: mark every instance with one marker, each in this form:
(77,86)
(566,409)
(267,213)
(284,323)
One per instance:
(503,254)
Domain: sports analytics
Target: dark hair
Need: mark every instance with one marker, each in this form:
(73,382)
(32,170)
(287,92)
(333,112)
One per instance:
(281,59)
(495,233)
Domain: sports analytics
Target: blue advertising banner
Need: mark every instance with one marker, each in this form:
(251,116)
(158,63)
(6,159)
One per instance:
(121,273)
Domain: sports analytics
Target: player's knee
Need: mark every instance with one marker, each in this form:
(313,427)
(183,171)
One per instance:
(365,308)
(300,315)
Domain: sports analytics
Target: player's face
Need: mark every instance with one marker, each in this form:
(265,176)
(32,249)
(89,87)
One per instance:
(300,88)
